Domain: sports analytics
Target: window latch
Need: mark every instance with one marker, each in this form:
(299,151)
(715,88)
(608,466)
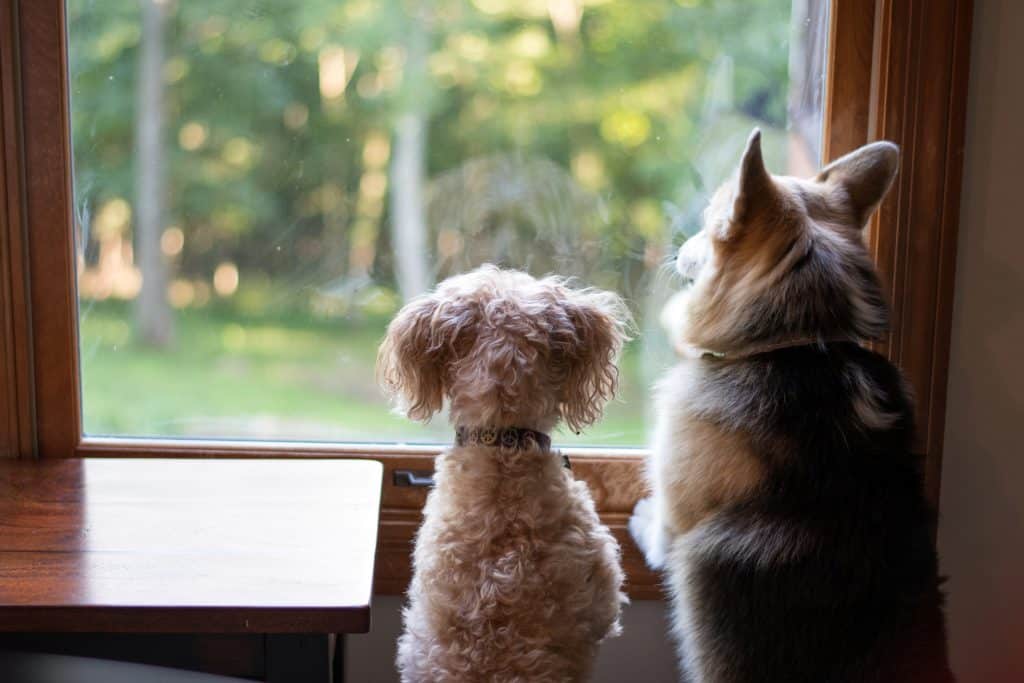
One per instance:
(413,478)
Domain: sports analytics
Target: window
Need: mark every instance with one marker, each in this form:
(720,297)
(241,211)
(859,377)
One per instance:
(259,185)
(894,70)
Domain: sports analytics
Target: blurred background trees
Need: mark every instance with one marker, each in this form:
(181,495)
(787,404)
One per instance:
(154,323)
(320,161)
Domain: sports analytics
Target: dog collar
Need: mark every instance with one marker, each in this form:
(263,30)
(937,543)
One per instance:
(506,438)
(819,342)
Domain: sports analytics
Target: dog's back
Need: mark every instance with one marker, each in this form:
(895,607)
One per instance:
(515,577)
(788,510)
(828,572)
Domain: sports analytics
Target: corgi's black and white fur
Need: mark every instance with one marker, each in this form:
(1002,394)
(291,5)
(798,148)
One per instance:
(788,511)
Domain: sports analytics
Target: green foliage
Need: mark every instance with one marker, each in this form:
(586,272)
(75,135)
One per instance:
(618,102)
(581,147)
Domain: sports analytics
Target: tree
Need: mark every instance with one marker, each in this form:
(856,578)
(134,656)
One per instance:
(258,172)
(153,319)
(408,166)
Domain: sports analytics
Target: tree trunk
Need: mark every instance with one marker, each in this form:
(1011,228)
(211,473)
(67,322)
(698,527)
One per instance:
(408,220)
(153,319)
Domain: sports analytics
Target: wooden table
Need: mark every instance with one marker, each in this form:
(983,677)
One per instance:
(144,546)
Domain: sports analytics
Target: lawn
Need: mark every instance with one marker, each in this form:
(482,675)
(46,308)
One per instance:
(231,377)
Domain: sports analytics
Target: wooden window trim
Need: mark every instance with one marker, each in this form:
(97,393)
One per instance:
(897,70)
(17,401)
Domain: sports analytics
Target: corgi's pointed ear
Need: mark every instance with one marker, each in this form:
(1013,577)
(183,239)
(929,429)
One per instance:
(754,188)
(864,175)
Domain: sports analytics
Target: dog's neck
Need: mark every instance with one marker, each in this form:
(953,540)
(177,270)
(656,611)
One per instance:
(506,438)
(812,341)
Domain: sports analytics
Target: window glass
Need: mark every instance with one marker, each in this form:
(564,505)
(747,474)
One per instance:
(260,184)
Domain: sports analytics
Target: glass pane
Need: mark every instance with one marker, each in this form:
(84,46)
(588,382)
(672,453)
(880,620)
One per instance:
(260,184)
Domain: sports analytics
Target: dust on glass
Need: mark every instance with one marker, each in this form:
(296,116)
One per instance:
(260,185)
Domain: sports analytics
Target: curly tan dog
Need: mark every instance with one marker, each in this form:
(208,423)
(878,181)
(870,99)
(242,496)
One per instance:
(515,578)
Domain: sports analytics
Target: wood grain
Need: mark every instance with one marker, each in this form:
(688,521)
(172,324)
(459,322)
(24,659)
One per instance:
(17,419)
(187,546)
(899,72)
(920,103)
(47,205)
(614,476)
(848,83)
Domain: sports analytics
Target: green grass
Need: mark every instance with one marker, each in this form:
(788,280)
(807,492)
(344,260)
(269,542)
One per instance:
(232,377)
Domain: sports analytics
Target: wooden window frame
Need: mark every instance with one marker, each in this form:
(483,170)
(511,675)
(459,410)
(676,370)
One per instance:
(897,70)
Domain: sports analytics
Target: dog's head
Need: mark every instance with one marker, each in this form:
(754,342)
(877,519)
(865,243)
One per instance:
(505,349)
(783,258)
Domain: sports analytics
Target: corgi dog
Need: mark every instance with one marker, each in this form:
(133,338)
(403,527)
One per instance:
(788,512)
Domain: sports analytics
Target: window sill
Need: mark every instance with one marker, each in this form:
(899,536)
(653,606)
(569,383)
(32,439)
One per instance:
(613,475)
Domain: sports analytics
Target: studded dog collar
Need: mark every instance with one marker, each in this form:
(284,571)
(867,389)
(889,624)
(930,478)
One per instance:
(506,438)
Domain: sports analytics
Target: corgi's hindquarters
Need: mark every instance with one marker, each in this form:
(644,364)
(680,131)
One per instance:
(758,598)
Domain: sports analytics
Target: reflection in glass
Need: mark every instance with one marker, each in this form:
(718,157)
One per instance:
(259,185)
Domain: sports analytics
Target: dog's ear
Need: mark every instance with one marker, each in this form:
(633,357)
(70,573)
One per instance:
(412,358)
(864,176)
(600,324)
(755,190)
